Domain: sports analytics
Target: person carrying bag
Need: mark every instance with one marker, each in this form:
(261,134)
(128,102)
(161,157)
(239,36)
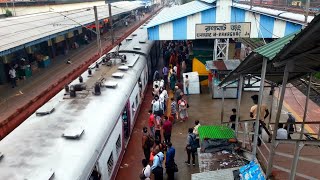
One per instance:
(157,169)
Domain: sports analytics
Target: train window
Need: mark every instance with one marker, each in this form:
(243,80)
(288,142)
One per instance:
(133,109)
(137,100)
(118,145)
(95,175)
(110,164)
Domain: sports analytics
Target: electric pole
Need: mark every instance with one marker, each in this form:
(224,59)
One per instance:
(97,30)
(307,12)
(110,22)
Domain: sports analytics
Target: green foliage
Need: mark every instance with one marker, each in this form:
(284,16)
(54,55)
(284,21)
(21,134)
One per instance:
(8,13)
(185,1)
(317,75)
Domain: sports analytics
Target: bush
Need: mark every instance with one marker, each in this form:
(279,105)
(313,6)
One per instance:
(317,75)
(8,13)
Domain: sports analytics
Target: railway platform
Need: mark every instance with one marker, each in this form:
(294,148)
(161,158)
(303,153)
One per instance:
(29,91)
(207,111)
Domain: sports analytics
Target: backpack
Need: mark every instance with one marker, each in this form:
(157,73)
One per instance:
(150,141)
(193,143)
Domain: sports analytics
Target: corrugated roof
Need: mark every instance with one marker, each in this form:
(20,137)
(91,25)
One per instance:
(301,50)
(271,49)
(17,32)
(287,16)
(176,12)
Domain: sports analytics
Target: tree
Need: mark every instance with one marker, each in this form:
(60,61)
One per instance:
(8,13)
(185,1)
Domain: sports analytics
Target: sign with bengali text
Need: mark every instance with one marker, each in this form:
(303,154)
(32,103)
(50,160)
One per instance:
(223,30)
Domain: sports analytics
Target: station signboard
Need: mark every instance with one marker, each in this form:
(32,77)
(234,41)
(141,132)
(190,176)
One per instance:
(223,30)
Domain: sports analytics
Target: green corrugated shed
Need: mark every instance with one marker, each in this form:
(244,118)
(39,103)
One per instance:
(215,132)
(270,50)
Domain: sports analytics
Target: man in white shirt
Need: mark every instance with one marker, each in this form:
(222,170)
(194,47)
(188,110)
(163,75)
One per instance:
(12,74)
(281,133)
(195,131)
(186,84)
(161,84)
(156,90)
(156,106)
(156,82)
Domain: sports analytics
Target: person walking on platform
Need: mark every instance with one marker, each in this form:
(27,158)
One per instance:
(151,122)
(146,142)
(165,72)
(183,109)
(157,135)
(173,80)
(191,147)
(291,123)
(156,167)
(170,164)
(161,84)
(156,106)
(167,128)
(12,74)
(195,132)
(177,93)
(264,112)
(156,90)
(173,107)
(186,84)
(178,71)
(146,171)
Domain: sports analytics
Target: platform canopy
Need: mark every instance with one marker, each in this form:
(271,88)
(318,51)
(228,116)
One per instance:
(299,50)
(179,22)
(23,31)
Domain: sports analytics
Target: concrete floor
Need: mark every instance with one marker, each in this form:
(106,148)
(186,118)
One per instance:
(207,111)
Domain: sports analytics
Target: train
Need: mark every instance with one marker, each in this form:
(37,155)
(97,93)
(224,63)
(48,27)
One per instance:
(82,132)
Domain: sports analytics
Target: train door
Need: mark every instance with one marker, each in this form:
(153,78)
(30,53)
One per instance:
(126,122)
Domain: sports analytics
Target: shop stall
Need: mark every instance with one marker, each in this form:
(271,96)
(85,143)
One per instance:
(219,69)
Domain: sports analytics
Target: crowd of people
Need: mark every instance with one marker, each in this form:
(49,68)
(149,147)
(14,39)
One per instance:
(165,111)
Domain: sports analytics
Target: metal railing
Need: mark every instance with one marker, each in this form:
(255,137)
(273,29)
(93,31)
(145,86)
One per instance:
(311,139)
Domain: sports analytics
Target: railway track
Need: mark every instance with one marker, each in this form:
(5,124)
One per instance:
(302,85)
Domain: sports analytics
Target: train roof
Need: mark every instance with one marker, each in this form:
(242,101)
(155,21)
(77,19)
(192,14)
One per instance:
(36,148)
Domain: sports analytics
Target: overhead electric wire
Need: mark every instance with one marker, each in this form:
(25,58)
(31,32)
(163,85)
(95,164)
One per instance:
(265,28)
(259,31)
